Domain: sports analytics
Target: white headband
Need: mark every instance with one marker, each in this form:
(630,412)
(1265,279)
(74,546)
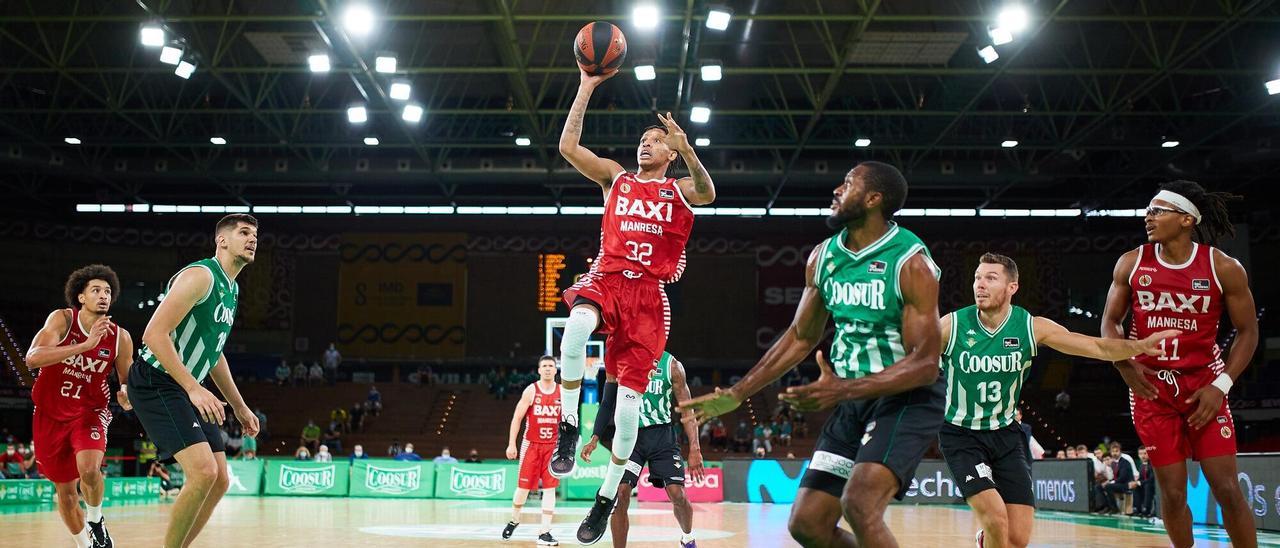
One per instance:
(1180,201)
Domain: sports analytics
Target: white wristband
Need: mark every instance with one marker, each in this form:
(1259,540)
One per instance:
(1223,382)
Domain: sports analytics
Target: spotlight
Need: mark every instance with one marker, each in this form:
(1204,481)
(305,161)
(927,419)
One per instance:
(1273,87)
(988,54)
(645,72)
(319,62)
(400,91)
(357,115)
(1013,18)
(72,140)
(412,113)
(1000,35)
(700,115)
(385,64)
(702,141)
(358,19)
(1169,143)
(218,140)
(718,18)
(711,73)
(862,142)
(152,36)
(523,141)
(171,54)
(185,69)
(371,141)
(645,16)
(1009,143)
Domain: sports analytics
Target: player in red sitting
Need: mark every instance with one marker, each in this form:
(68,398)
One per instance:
(647,220)
(539,407)
(1177,281)
(74,354)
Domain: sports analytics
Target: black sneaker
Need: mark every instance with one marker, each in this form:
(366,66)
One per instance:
(98,533)
(563,461)
(509,530)
(597,520)
(546,539)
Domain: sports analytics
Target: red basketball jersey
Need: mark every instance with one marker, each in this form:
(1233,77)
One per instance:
(1187,297)
(645,228)
(542,420)
(65,391)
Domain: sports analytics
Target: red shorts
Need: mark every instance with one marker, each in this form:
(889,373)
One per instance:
(1162,423)
(57,442)
(636,315)
(535,461)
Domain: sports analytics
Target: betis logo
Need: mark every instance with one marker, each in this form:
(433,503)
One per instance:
(307,480)
(471,483)
(392,481)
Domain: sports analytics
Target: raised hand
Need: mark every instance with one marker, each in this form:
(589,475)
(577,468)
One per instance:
(100,328)
(676,139)
(594,80)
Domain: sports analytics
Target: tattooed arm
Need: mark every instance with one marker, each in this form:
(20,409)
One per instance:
(600,170)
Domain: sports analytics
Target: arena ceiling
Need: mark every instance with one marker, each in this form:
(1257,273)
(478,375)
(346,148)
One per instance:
(1091,90)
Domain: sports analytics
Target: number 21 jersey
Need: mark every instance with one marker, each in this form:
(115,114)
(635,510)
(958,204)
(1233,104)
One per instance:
(645,228)
(64,390)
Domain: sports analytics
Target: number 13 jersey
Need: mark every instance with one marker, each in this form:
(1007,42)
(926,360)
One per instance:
(645,227)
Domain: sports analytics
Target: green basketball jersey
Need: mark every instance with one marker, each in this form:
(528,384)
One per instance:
(203,331)
(986,369)
(861,291)
(655,404)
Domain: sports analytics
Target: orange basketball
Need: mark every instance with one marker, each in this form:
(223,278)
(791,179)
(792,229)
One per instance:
(599,48)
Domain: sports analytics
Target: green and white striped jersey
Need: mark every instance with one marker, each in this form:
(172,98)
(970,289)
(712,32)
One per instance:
(862,292)
(985,369)
(655,404)
(202,333)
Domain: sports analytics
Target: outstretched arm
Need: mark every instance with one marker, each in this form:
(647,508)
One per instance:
(1117,308)
(921,338)
(599,170)
(800,338)
(697,188)
(1053,335)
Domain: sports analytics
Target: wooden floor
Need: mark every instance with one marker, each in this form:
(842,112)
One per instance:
(289,522)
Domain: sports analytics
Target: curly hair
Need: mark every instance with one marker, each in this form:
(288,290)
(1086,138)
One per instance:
(1215,221)
(81,278)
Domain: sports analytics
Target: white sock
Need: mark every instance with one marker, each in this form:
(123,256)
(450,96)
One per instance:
(92,513)
(573,358)
(686,537)
(82,538)
(612,477)
(626,417)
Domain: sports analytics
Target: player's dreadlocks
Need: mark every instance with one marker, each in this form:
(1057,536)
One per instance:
(1215,222)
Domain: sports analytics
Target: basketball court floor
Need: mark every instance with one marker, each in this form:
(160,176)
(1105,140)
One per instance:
(270,522)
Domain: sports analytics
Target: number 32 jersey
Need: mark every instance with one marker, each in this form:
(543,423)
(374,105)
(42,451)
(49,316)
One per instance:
(65,390)
(645,228)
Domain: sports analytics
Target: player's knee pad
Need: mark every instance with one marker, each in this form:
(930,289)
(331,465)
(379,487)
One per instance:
(627,422)
(573,345)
